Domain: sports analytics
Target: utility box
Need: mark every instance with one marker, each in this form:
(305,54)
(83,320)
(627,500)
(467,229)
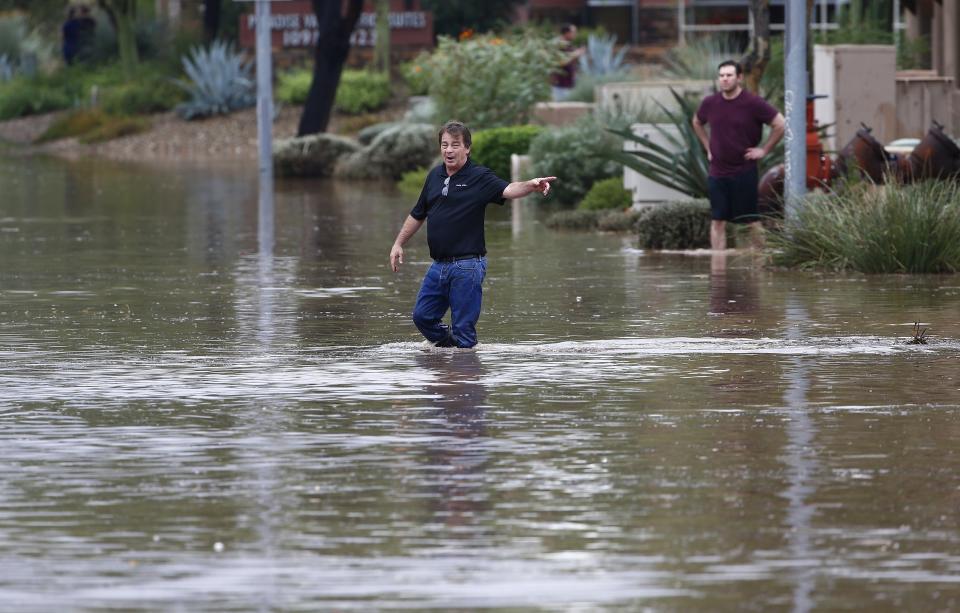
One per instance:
(923,97)
(643,189)
(859,82)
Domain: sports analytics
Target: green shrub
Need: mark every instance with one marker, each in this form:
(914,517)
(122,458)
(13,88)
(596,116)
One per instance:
(115,127)
(411,182)
(141,97)
(294,85)
(618,221)
(415,75)
(491,81)
(22,96)
(361,91)
(493,147)
(876,229)
(607,194)
(574,220)
(675,225)
(577,155)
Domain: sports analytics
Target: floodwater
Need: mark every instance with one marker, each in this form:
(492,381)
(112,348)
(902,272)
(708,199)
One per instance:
(188,424)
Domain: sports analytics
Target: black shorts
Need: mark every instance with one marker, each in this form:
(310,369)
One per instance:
(734,198)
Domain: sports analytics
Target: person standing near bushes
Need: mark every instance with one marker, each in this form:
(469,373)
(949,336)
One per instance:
(736,118)
(453,203)
(565,77)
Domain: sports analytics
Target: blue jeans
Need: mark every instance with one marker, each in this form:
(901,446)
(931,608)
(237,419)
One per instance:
(457,286)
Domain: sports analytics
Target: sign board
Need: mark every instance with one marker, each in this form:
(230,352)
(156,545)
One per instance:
(294,24)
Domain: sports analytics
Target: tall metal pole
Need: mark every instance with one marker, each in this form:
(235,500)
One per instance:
(265,126)
(795,101)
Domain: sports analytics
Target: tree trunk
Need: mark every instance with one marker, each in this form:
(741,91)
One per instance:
(211,19)
(123,17)
(382,49)
(758,55)
(333,45)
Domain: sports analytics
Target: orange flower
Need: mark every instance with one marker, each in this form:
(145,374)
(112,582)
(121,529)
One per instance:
(466,34)
(496,41)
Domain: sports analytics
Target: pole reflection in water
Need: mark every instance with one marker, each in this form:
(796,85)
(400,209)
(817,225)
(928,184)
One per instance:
(265,242)
(458,444)
(801,462)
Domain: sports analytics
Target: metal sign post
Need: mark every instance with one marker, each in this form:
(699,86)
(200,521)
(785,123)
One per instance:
(265,126)
(795,103)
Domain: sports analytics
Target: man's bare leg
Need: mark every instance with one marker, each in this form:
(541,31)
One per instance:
(718,234)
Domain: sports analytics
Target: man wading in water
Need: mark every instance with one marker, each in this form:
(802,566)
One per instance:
(736,119)
(453,203)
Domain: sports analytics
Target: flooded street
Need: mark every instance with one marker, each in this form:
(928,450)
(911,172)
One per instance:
(190,425)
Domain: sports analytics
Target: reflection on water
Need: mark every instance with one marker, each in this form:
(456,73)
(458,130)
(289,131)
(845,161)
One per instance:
(200,414)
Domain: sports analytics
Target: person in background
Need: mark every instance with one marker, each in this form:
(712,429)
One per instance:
(566,76)
(71,36)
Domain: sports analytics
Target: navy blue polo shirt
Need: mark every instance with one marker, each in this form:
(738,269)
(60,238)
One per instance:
(455,221)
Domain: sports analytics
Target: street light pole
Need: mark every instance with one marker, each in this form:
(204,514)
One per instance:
(265,125)
(795,101)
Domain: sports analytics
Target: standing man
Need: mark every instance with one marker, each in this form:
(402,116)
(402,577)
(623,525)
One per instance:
(453,203)
(565,76)
(736,118)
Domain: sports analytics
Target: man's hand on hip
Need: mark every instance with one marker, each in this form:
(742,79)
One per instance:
(754,153)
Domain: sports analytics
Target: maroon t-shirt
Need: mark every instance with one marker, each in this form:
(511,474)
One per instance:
(735,126)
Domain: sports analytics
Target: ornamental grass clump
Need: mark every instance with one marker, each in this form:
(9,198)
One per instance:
(876,229)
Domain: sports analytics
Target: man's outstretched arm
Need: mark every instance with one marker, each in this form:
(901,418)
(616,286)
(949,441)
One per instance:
(524,188)
(410,227)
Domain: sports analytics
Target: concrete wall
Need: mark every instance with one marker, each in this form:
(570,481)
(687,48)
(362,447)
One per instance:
(923,97)
(859,82)
(644,190)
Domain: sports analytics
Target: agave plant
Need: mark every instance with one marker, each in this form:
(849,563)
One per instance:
(220,81)
(682,163)
(699,59)
(600,58)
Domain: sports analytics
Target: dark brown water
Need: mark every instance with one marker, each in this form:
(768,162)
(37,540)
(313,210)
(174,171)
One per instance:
(189,425)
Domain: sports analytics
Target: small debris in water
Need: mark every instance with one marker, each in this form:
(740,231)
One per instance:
(218,547)
(919,336)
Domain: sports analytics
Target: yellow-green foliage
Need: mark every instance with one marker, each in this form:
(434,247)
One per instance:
(361,91)
(92,126)
(606,194)
(411,182)
(493,147)
(115,127)
(294,85)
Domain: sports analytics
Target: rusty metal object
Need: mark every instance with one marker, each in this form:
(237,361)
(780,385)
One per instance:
(770,191)
(865,154)
(936,157)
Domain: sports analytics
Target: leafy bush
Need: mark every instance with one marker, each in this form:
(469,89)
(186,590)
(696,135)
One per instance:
(493,147)
(578,154)
(220,82)
(141,97)
(491,81)
(601,59)
(415,75)
(411,182)
(607,194)
(22,96)
(294,85)
(361,91)
(675,225)
(25,49)
(876,229)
